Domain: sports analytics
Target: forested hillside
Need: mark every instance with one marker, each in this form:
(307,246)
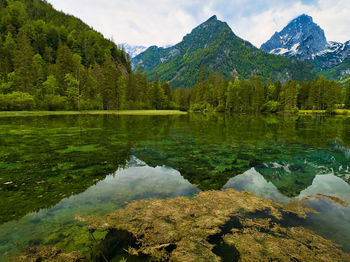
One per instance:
(213,45)
(53,61)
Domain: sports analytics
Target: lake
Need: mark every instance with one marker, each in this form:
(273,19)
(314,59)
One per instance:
(53,168)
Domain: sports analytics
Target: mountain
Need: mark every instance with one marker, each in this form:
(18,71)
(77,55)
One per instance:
(338,72)
(214,46)
(301,37)
(133,50)
(334,54)
(304,39)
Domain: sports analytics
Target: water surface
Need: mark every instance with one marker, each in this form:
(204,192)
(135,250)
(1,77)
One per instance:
(55,167)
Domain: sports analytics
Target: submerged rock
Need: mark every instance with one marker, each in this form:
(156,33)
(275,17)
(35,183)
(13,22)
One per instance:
(218,226)
(52,254)
(259,240)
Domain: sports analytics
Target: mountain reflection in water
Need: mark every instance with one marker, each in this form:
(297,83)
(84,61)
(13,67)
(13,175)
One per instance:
(56,226)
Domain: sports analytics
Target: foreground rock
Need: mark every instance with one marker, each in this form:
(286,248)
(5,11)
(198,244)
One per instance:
(52,254)
(218,226)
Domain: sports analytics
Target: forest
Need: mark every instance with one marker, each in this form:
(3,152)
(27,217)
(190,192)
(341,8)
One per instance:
(213,92)
(53,61)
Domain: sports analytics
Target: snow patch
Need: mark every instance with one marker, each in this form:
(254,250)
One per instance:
(279,51)
(294,48)
(133,50)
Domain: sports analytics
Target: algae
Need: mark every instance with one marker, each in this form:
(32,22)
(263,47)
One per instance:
(261,240)
(46,159)
(50,254)
(208,152)
(183,229)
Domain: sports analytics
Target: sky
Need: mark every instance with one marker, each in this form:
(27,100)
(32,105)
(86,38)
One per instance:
(165,22)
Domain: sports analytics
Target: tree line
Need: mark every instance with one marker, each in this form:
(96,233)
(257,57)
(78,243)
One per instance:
(213,92)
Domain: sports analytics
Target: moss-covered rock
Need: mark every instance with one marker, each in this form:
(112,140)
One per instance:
(50,254)
(184,229)
(259,240)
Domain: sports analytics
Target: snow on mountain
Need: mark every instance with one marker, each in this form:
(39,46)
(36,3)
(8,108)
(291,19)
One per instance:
(133,50)
(304,39)
(301,37)
(334,54)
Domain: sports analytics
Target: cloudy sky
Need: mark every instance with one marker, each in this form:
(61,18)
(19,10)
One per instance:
(165,22)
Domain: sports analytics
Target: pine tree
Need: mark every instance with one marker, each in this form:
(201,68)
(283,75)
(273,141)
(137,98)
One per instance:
(230,98)
(257,88)
(332,95)
(23,58)
(39,71)
(9,48)
(109,85)
(64,63)
(347,96)
(72,90)
(50,86)
(78,69)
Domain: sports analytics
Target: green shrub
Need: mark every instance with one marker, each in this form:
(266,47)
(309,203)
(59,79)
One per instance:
(220,108)
(197,108)
(55,102)
(295,110)
(3,102)
(17,101)
(271,107)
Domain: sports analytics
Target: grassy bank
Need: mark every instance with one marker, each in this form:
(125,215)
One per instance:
(345,112)
(98,112)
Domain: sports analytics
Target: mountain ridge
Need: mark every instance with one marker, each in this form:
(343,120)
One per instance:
(306,40)
(301,37)
(215,46)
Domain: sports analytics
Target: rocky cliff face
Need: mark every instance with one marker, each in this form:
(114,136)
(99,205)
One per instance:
(304,39)
(301,37)
(334,54)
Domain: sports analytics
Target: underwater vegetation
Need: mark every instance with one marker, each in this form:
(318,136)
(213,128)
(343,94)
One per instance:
(52,254)
(218,226)
(46,159)
(210,150)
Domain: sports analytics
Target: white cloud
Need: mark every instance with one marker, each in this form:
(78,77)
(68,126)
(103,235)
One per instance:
(163,22)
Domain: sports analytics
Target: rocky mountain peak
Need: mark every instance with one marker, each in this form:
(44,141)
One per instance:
(214,17)
(301,37)
(304,18)
(210,27)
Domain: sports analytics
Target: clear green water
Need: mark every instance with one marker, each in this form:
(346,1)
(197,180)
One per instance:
(55,167)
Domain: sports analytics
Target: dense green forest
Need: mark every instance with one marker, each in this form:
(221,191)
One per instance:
(214,92)
(53,61)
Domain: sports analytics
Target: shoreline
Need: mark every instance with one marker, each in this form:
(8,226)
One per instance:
(337,112)
(92,112)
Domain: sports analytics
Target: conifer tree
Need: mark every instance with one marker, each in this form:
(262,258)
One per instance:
(347,96)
